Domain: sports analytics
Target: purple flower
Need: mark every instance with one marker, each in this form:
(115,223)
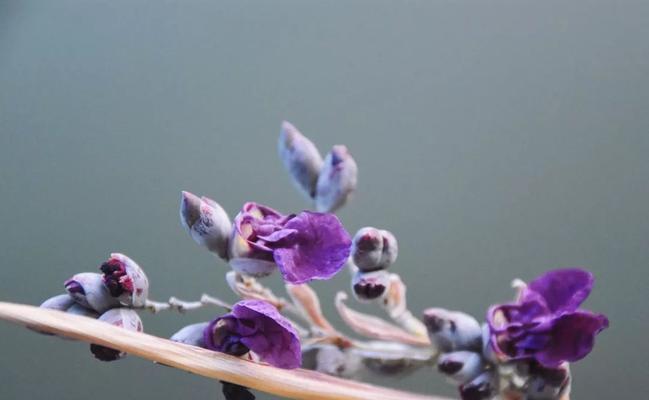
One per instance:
(545,323)
(255,325)
(305,246)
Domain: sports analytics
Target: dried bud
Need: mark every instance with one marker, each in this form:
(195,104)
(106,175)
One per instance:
(333,361)
(368,286)
(125,280)
(124,318)
(374,249)
(191,334)
(337,180)
(452,330)
(480,388)
(88,289)
(460,366)
(301,158)
(207,223)
(61,302)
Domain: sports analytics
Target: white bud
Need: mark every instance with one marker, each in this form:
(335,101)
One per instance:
(301,159)
(367,248)
(88,289)
(370,286)
(460,366)
(61,302)
(207,223)
(124,318)
(374,249)
(191,334)
(125,280)
(452,330)
(337,180)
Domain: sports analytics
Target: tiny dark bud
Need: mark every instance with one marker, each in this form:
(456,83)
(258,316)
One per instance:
(368,291)
(450,367)
(478,389)
(232,391)
(104,353)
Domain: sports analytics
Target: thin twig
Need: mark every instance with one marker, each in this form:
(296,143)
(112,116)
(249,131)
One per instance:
(293,384)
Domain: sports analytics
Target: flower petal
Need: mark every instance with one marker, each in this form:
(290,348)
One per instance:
(572,337)
(562,289)
(276,341)
(318,250)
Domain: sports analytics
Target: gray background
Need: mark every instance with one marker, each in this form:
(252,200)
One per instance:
(495,139)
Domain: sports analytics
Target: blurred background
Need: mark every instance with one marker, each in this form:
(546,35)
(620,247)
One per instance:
(495,139)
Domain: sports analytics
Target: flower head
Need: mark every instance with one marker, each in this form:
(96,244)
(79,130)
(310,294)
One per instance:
(305,246)
(545,323)
(255,325)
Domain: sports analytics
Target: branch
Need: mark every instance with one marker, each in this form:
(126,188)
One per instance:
(293,384)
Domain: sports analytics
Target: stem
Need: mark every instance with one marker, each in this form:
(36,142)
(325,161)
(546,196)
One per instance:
(293,384)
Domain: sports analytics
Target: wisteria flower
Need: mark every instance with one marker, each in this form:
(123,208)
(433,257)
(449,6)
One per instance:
(545,323)
(255,325)
(305,246)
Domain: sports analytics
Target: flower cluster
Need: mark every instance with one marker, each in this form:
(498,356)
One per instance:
(109,297)
(526,345)
(523,350)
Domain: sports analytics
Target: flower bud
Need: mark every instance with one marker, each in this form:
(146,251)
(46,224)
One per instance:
(207,223)
(301,158)
(124,318)
(367,248)
(390,249)
(460,366)
(61,302)
(125,280)
(88,290)
(368,286)
(452,330)
(232,391)
(191,334)
(337,180)
(77,309)
(480,388)
(374,249)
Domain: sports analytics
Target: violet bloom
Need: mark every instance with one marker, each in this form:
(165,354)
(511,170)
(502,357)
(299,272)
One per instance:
(255,325)
(305,246)
(545,323)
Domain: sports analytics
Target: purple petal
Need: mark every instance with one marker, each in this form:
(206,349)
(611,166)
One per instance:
(563,289)
(318,250)
(276,341)
(277,235)
(572,337)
